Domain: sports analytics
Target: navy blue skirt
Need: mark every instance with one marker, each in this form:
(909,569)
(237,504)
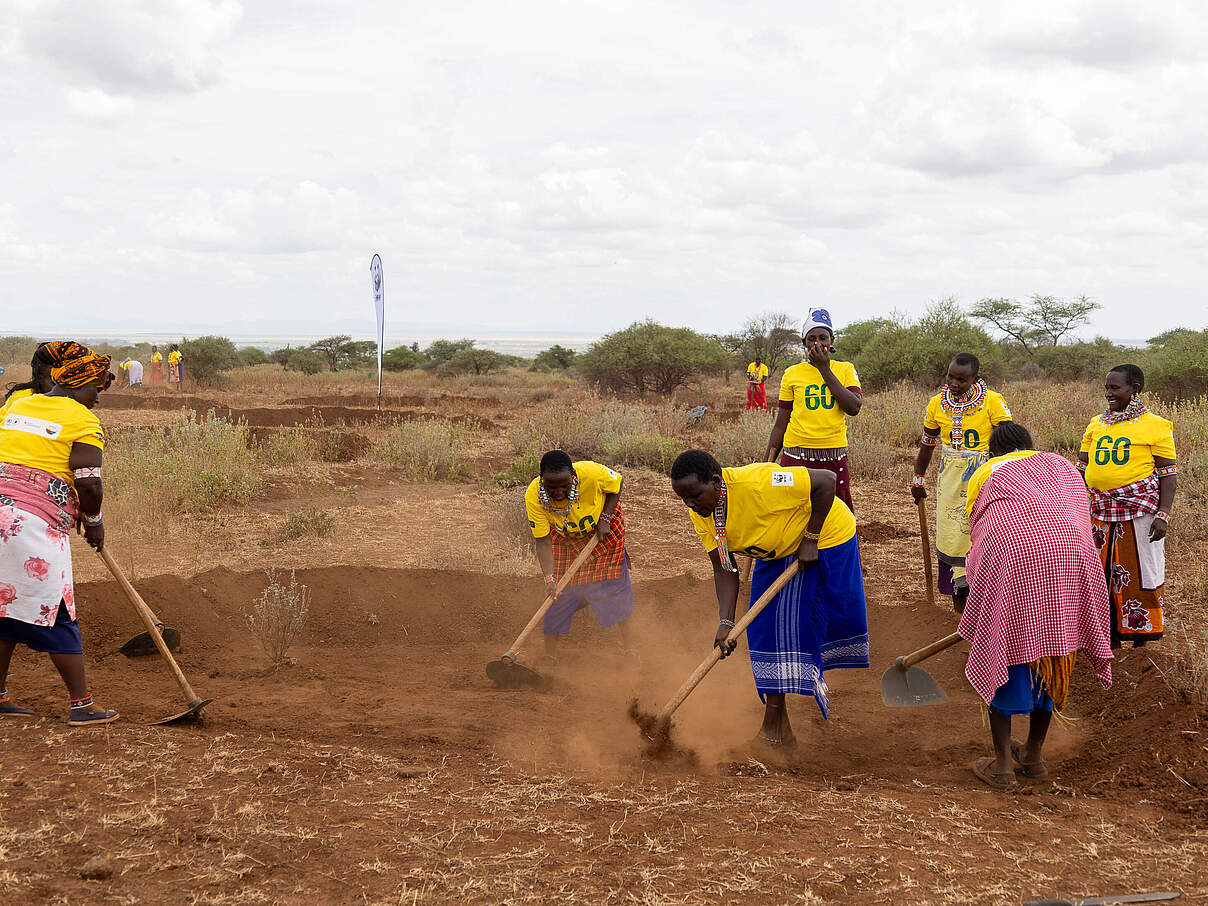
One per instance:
(61,638)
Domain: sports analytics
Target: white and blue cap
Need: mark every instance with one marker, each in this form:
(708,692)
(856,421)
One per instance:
(819,317)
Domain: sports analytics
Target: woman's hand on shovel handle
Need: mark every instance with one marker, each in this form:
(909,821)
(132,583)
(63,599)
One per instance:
(719,641)
(551,588)
(95,535)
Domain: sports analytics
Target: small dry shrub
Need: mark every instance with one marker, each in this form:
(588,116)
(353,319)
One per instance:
(872,458)
(1187,659)
(743,441)
(425,450)
(277,616)
(290,446)
(309,522)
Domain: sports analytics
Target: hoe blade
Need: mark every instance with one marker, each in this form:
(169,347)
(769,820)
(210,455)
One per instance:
(143,646)
(507,674)
(910,688)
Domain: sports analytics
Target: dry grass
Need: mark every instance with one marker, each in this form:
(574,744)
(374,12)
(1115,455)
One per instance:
(430,450)
(311,522)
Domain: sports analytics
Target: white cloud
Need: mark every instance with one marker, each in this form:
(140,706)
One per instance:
(132,46)
(95,104)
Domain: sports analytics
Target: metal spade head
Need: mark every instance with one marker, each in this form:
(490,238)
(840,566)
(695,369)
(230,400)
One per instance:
(909,687)
(142,645)
(195,712)
(508,674)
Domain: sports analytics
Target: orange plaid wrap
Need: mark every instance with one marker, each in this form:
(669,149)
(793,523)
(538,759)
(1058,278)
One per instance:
(605,562)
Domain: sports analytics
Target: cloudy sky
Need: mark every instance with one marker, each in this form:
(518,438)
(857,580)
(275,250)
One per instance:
(573,166)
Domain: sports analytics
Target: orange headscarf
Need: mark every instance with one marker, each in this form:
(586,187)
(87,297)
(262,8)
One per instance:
(82,371)
(56,352)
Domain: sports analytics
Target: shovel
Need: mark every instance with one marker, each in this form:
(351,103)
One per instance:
(1102,901)
(740,627)
(506,671)
(195,708)
(143,645)
(907,686)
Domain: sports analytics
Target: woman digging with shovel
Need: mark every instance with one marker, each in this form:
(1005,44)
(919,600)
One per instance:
(780,515)
(1037,596)
(50,481)
(567,503)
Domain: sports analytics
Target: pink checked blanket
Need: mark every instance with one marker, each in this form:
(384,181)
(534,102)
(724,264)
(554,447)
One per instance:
(1036,584)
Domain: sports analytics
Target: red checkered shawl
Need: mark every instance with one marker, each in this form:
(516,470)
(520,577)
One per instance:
(1126,503)
(605,562)
(1036,584)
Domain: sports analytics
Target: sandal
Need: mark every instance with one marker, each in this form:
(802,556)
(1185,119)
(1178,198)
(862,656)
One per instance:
(8,709)
(1037,770)
(1002,782)
(84,714)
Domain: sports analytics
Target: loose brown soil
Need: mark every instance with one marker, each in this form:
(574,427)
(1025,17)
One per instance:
(381,766)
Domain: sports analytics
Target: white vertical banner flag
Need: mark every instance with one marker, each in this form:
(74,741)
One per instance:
(379,303)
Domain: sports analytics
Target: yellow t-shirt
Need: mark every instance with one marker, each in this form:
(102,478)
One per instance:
(757,372)
(158,357)
(976,425)
(174,356)
(38,432)
(1123,453)
(983,473)
(817,422)
(16,395)
(767,510)
(595,483)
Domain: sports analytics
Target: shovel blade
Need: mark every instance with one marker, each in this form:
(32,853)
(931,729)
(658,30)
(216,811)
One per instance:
(142,645)
(910,688)
(508,674)
(195,712)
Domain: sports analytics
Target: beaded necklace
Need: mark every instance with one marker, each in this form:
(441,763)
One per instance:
(571,497)
(1134,410)
(719,530)
(956,407)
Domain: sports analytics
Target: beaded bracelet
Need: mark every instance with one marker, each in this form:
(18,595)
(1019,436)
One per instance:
(811,536)
(1160,514)
(549,577)
(729,623)
(918,481)
(93,520)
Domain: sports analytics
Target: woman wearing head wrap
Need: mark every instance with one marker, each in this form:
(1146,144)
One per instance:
(567,503)
(157,366)
(176,367)
(46,356)
(50,481)
(1128,457)
(959,420)
(815,397)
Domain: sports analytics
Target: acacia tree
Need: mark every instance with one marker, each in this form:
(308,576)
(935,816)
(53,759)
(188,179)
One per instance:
(1042,321)
(648,356)
(772,336)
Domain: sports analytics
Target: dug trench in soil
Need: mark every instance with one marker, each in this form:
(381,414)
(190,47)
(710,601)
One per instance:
(425,634)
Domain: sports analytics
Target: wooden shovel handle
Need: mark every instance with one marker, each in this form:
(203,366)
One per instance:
(514,651)
(925,535)
(739,628)
(922,654)
(148,618)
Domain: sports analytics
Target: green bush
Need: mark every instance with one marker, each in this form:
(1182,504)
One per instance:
(305,360)
(439,352)
(252,355)
(555,356)
(1176,364)
(650,357)
(921,350)
(476,361)
(1079,361)
(205,358)
(403,358)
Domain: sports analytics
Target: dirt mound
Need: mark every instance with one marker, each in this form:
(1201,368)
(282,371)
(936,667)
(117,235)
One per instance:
(1146,740)
(406,401)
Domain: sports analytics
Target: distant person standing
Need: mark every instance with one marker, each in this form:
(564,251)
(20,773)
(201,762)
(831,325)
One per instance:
(176,367)
(757,379)
(157,366)
(816,396)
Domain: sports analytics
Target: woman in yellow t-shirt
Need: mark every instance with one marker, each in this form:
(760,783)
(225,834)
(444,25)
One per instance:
(1128,459)
(567,503)
(959,420)
(157,366)
(815,397)
(176,367)
(776,514)
(46,356)
(50,481)
(757,379)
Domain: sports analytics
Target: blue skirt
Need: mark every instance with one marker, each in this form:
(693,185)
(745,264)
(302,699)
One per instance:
(61,638)
(611,599)
(1022,693)
(818,622)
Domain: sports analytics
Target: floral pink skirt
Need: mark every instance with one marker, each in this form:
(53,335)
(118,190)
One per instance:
(37,510)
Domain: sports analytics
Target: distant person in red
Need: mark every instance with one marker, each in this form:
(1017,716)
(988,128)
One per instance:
(757,380)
